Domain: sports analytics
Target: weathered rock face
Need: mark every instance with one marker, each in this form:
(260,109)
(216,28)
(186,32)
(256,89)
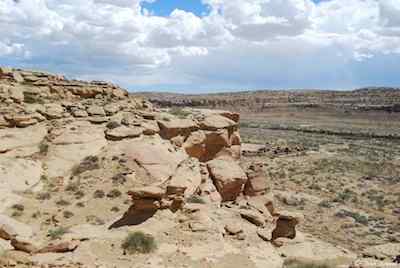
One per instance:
(228,177)
(60,133)
(257,182)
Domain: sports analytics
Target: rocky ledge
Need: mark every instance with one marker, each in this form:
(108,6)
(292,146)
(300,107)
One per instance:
(65,143)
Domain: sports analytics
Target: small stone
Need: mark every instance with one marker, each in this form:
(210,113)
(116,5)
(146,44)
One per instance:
(96,110)
(233,228)
(197,227)
(253,217)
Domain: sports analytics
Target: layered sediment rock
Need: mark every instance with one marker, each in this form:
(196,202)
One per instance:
(62,131)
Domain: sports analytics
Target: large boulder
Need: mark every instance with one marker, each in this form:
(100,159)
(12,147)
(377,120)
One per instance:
(286,225)
(96,110)
(186,180)
(53,111)
(175,127)
(195,144)
(257,182)
(228,177)
(156,156)
(215,122)
(215,142)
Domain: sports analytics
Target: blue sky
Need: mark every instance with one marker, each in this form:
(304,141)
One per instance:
(247,44)
(165,7)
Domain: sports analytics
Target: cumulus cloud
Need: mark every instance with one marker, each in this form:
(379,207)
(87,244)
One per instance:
(260,43)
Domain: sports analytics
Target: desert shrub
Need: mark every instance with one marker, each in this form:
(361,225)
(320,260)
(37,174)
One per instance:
(120,178)
(98,194)
(325,204)
(36,214)
(139,242)
(43,196)
(345,196)
(195,199)
(89,163)
(72,187)
(43,148)
(292,263)
(113,124)
(79,194)
(62,202)
(68,214)
(92,219)
(18,207)
(359,218)
(57,233)
(115,209)
(32,98)
(179,112)
(16,214)
(80,205)
(114,193)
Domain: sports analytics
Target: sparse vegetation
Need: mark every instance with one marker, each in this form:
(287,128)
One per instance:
(57,233)
(94,220)
(62,202)
(113,124)
(43,148)
(43,196)
(114,193)
(115,209)
(195,199)
(89,163)
(292,263)
(68,214)
(179,112)
(18,207)
(98,194)
(119,178)
(139,242)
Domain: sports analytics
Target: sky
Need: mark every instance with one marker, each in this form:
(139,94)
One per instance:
(196,46)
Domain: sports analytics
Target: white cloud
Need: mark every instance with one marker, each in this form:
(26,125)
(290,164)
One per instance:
(239,43)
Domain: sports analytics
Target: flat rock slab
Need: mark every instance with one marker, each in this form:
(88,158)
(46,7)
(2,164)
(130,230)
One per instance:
(13,139)
(10,227)
(159,158)
(76,142)
(124,132)
(17,174)
(214,122)
(314,250)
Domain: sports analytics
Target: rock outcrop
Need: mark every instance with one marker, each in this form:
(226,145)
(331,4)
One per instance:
(89,143)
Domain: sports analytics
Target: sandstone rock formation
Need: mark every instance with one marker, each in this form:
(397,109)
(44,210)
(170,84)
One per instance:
(73,151)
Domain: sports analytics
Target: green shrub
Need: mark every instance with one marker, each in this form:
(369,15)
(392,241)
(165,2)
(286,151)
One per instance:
(114,193)
(195,199)
(89,163)
(57,233)
(139,242)
(98,194)
(63,202)
(179,112)
(43,148)
(43,196)
(68,214)
(292,263)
